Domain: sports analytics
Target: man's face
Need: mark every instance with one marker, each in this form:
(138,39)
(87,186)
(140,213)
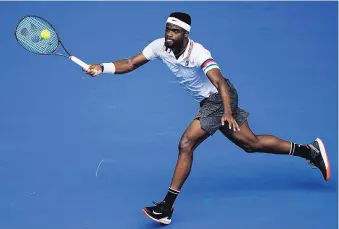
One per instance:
(174,35)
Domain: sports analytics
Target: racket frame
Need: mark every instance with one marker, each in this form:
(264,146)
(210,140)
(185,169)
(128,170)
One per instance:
(53,52)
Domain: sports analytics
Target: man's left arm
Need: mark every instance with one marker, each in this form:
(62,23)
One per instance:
(211,69)
(217,79)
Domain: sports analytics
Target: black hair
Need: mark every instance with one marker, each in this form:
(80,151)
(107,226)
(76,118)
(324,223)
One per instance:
(182,17)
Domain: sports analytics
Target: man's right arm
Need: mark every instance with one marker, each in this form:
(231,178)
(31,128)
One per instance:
(150,52)
(125,66)
(118,67)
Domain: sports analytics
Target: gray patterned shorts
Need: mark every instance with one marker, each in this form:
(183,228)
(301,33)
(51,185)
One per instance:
(212,109)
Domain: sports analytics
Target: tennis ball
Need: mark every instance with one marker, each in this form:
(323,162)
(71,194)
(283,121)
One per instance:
(45,34)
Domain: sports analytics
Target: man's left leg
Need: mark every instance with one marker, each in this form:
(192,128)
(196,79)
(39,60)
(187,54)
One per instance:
(314,152)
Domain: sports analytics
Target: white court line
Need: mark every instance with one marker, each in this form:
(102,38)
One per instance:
(96,173)
(107,160)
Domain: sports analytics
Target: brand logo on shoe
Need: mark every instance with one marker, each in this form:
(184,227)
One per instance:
(156,213)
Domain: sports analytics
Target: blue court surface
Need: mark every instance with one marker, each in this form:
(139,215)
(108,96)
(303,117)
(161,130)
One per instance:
(81,152)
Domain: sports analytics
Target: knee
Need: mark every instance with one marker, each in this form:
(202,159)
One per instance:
(252,145)
(185,145)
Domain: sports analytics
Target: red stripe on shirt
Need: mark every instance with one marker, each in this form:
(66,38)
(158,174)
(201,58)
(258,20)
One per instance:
(207,62)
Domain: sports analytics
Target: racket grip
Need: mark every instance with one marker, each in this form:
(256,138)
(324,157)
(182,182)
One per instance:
(79,62)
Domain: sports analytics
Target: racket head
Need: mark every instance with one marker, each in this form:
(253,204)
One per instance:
(28,34)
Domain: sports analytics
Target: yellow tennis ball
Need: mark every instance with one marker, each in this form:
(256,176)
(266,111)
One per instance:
(45,34)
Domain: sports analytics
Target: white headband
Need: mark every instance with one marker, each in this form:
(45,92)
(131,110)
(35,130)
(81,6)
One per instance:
(180,23)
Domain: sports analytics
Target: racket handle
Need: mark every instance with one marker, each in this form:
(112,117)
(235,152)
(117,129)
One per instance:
(79,62)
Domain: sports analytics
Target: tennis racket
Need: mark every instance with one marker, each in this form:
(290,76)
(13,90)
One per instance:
(38,36)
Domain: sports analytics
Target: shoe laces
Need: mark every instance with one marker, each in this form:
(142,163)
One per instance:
(161,205)
(313,155)
(158,203)
(314,151)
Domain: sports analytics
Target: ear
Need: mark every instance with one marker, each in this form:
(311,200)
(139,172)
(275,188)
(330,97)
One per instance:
(186,35)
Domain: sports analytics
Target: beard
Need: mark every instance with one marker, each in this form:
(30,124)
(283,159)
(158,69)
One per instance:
(173,43)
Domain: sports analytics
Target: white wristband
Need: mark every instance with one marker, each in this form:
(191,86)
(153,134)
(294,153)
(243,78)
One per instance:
(108,68)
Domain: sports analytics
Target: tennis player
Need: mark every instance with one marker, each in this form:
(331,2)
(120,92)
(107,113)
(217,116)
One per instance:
(195,69)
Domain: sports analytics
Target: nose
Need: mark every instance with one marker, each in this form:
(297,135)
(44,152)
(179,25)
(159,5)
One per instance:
(169,34)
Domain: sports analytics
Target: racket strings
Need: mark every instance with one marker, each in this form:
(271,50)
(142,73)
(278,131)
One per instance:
(28,35)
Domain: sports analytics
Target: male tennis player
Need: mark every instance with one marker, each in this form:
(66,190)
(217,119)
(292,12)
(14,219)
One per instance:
(195,69)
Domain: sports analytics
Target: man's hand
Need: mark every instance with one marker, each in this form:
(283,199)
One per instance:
(93,70)
(232,124)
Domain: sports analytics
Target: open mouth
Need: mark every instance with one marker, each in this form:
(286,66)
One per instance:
(169,41)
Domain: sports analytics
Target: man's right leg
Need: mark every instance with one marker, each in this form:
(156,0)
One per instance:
(190,140)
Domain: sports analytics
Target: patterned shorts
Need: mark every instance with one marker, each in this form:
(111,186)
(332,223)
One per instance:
(212,109)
